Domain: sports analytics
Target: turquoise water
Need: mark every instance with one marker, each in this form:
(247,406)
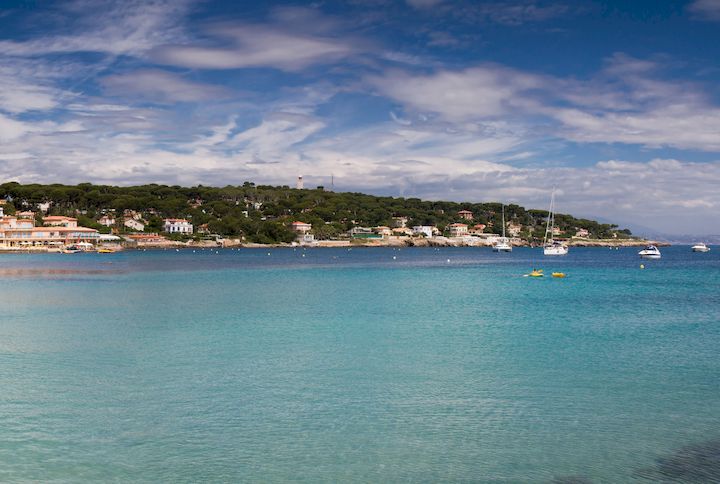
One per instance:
(364,365)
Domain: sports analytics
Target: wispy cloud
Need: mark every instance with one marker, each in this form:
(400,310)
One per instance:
(106,26)
(160,86)
(705,9)
(254,46)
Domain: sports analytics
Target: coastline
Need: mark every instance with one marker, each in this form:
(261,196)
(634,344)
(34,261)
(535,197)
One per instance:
(397,242)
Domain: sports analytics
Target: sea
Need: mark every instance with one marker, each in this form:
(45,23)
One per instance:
(360,365)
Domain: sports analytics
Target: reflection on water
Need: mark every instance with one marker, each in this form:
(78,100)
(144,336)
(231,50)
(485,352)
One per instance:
(39,272)
(698,462)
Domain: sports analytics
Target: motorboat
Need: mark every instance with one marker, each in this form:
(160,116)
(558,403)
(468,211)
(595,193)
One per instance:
(650,252)
(535,273)
(701,247)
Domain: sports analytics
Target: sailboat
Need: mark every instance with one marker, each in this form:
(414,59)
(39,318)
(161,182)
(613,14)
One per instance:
(551,246)
(503,244)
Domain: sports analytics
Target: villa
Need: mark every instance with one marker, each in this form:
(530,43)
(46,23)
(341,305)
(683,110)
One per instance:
(457,230)
(383,231)
(134,224)
(301,227)
(513,230)
(107,221)
(426,230)
(177,226)
(465,214)
(582,233)
(476,229)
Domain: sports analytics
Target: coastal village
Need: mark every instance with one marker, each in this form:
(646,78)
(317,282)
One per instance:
(37,227)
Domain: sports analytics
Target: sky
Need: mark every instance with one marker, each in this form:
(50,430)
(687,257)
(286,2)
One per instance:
(614,104)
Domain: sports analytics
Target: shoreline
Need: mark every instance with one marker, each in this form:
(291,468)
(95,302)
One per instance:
(381,243)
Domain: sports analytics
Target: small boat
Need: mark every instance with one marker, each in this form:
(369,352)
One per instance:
(503,244)
(650,252)
(536,273)
(701,247)
(558,275)
(105,251)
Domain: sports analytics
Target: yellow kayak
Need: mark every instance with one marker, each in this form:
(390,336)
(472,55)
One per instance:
(105,251)
(558,274)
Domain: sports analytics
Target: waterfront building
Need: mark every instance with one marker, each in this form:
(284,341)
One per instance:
(476,229)
(457,230)
(402,231)
(177,226)
(59,221)
(59,231)
(426,230)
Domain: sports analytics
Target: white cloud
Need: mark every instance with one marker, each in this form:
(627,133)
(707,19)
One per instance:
(160,86)
(624,103)
(11,129)
(475,93)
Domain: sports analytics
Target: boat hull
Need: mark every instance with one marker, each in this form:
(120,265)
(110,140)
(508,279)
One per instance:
(555,250)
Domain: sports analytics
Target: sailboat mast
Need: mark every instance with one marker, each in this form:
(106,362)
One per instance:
(551,220)
(503,220)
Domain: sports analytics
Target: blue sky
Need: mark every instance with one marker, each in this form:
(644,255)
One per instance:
(617,104)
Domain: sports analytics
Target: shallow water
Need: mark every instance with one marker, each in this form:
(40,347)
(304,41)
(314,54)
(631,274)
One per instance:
(360,365)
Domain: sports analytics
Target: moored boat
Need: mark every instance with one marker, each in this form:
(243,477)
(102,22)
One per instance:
(650,252)
(700,247)
(503,244)
(551,246)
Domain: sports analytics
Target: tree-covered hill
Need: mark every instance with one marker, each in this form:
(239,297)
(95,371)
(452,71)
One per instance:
(263,213)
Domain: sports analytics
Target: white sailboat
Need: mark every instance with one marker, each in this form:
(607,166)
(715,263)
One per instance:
(503,244)
(551,246)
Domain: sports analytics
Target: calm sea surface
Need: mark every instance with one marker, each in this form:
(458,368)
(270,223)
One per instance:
(360,365)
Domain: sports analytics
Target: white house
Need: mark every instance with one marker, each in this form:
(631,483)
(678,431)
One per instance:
(133,224)
(426,230)
(582,233)
(177,226)
(107,221)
